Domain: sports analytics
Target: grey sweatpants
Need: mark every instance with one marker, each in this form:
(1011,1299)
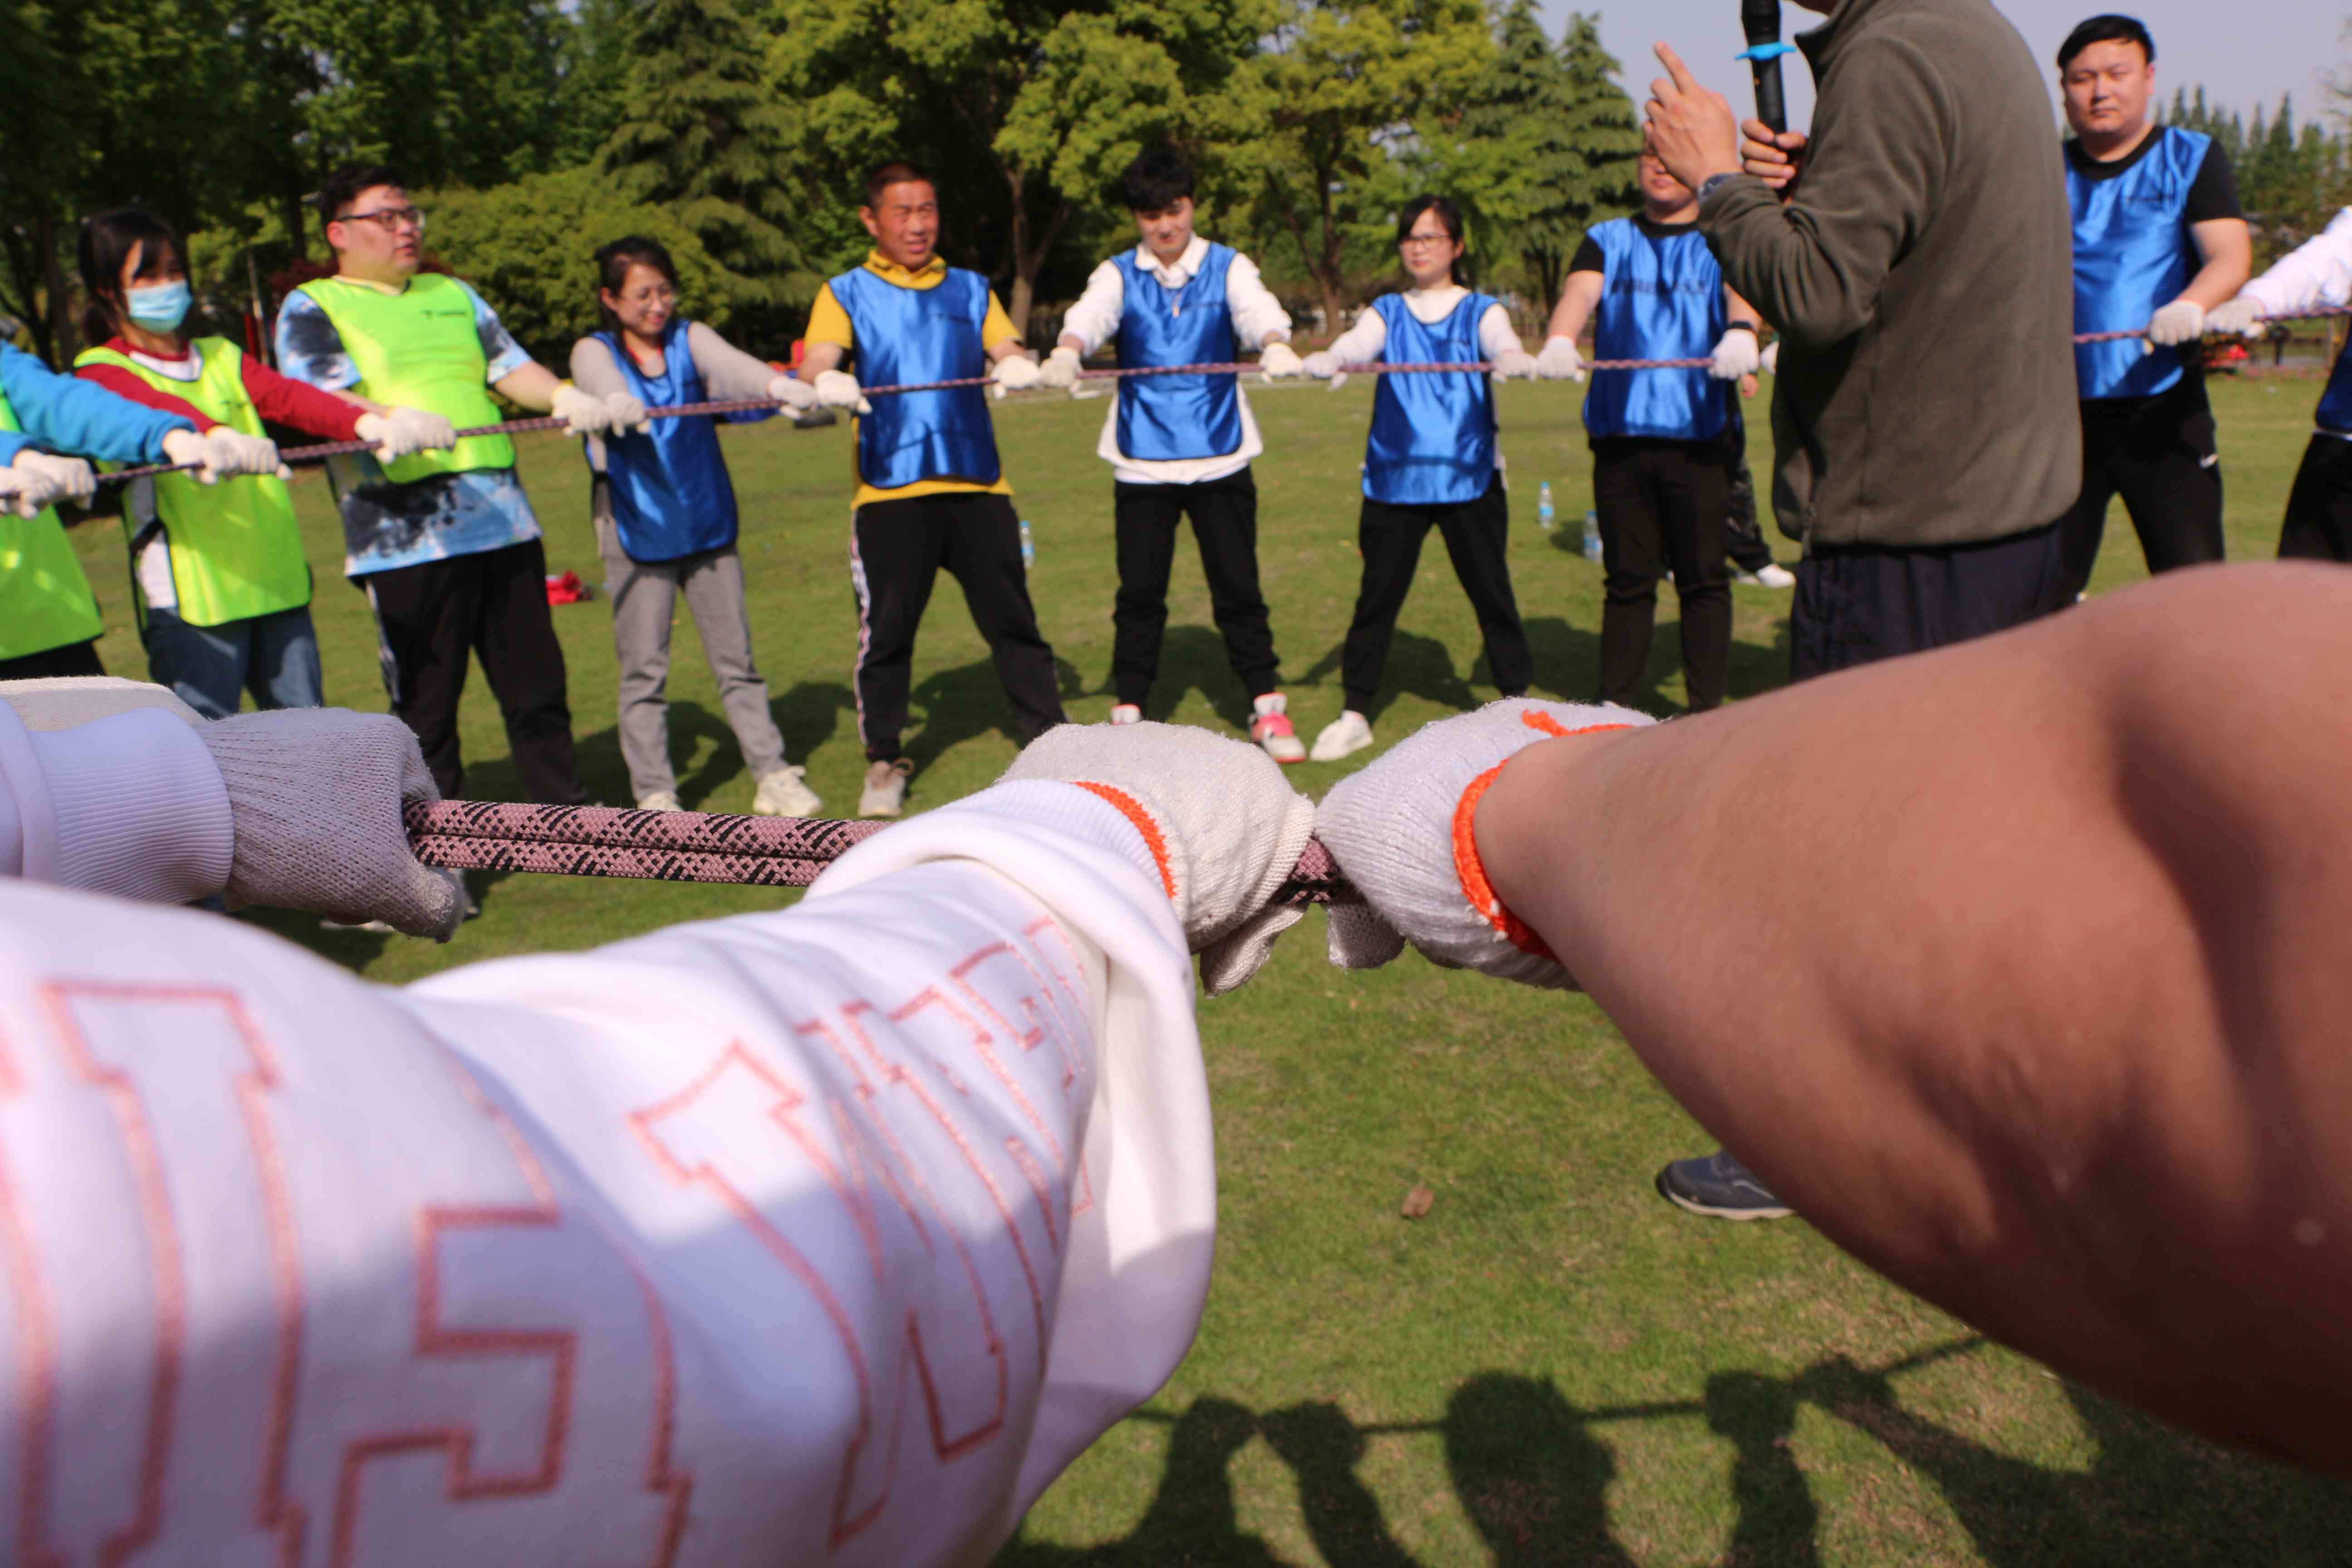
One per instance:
(643,595)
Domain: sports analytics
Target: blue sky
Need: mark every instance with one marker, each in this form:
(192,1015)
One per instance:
(2245,51)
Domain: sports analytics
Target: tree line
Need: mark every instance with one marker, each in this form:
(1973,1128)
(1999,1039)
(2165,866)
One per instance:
(2293,175)
(735,132)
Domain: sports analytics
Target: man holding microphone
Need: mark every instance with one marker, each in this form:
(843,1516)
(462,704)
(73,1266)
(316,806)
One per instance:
(1914,253)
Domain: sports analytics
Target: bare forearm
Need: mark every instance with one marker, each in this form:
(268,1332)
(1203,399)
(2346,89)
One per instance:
(2020,1000)
(1577,299)
(531,385)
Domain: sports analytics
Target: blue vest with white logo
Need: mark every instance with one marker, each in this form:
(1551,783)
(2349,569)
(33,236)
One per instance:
(2133,254)
(1171,416)
(1432,438)
(671,494)
(1661,298)
(908,335)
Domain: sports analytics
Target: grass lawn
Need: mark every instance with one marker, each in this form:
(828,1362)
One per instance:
(1554,1366)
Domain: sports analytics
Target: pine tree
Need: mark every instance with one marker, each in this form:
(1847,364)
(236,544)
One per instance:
(701,133)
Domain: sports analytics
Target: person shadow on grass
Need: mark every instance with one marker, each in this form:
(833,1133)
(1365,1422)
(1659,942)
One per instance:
(1530,1474)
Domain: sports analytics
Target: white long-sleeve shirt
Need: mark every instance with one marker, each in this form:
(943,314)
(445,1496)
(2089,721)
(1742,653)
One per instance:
(2316,275)
(1258,319)
(825,1235)
(1362,343)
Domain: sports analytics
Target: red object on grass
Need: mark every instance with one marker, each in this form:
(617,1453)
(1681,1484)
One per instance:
(567,589)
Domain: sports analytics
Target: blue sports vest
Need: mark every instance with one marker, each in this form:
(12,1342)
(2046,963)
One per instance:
(2133,254)
(1661,298)
(1432,437)
(2334,415)
(914,335)
(1169,417)
(671,494)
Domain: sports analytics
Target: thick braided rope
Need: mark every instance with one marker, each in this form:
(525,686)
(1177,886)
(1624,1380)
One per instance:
(770,404)
(696,847)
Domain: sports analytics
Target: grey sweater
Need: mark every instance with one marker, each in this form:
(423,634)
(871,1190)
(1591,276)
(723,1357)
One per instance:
(1923,279)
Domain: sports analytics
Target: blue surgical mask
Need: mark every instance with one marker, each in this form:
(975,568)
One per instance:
(159,307)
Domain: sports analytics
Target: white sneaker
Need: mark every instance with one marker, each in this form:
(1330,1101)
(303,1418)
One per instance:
(783,794)
(1772,575)
(1272,728)
(1126,713)
(885,789)
(1343,737)
(660,800)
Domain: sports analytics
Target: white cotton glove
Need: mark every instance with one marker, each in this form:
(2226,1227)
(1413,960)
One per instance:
(234,453)
(44,479)
(1061,368)
(13,489)
(585,414)
(1324,365)
(315,800)
(1768,361)
(1224,827)
(2182,321)
(1736,354)
(1517,365)
(1400,829)
(794,393)
(1559,360)
(2242,318)
(839,389)
(186,449)
(404,432)
(1277,361)
(1015,373)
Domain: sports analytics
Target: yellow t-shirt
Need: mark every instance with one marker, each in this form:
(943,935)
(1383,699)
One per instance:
(829,323)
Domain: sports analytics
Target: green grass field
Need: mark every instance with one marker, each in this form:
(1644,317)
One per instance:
(1554,1366)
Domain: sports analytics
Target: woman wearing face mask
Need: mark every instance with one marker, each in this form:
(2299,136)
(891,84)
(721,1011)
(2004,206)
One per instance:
(223,587)
(1430,461)
(666,521)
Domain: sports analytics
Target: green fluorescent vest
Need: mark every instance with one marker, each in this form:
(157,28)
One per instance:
(45,601)
(419,349)
(236,550)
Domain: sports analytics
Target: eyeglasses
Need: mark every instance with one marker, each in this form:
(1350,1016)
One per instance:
(392,220)
(1425,240)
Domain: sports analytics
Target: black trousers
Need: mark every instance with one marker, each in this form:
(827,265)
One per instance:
(1663,505)
(896,552)
(1476,534)
(2158,454)
(1857,604)
(431,617)
(1745,542)
(74,659)
(2319,508)
(1224,525)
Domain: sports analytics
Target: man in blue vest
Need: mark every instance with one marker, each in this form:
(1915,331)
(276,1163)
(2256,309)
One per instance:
(931,491)
(2160,240)
(1661,439)
(1182,445)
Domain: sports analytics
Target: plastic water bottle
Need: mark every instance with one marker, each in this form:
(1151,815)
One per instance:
(1592,536)
(1544,517)
(1028,546)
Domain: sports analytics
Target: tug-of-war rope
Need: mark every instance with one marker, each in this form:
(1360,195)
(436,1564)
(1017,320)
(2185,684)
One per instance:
(697,847)
(770,405)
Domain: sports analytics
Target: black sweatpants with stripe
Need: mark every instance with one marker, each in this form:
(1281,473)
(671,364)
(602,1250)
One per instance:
(896,552)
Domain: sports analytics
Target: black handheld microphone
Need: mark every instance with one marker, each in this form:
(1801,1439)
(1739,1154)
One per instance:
(1762,21)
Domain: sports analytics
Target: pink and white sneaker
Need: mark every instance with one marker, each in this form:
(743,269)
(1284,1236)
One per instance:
(1272,730)
(1126,713)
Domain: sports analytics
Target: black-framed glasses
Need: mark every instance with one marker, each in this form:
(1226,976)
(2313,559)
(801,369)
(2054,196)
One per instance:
(392,220)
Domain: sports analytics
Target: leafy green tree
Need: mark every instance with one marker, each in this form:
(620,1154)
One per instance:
(1546,146)
(530,246)
(1025,110)
(1339,87)
(702,135)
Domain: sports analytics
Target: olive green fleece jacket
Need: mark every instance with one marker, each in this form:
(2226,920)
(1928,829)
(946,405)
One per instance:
(1922,278)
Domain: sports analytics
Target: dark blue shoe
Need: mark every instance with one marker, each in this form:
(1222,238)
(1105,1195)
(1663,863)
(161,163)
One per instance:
(1720,1186)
